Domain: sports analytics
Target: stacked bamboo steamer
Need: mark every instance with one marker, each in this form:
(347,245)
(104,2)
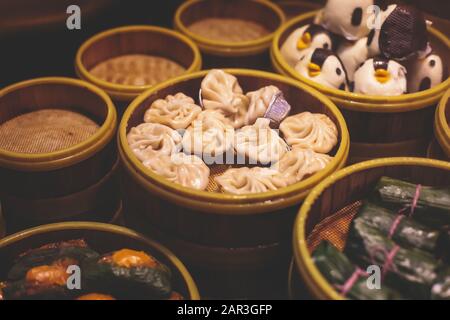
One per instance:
(220,51)
(134,40)
(237,246)
(58,158)
(319,219)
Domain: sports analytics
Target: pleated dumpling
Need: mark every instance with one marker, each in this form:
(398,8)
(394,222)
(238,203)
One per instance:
(176,111)
(221,91)
(300,163)
(210,135)
(250,180)
(150,139)
(310,130)
(259,143)
(260,100)
(188,170)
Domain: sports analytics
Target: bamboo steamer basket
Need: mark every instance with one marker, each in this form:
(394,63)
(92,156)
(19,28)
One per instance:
(210,230)
(37,188)
(329,208)
(253,54)
(101,237)
(442,124)
(379,126)
(150,40)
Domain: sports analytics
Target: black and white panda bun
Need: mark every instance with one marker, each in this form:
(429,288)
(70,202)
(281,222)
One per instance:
(324,67)
(308,36)
(348,18)
(381,76)
(426,73)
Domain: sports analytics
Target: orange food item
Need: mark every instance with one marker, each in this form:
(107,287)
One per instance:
(175,296)
(131,258)
(96,296)
(48,275)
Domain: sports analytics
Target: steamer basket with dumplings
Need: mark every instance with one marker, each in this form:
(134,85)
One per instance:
(234,237)
(78,240)
(231,33)
(442,126)
(379,126)
(126,61)
(328,216)
(58,158)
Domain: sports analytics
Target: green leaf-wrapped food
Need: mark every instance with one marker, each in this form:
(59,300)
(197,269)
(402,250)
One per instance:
(411,272)
(401,229)
(433,204)
(444,244)
(127,274)
(338,270)
(75,250)
(441,288)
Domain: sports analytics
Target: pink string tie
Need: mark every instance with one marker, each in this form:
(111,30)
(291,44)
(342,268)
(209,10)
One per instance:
(402,211)
(348,285)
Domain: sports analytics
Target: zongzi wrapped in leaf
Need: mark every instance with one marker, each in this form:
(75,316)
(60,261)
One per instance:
(412,272)
(346,277)
(127,274)
(400,228)
(429,205)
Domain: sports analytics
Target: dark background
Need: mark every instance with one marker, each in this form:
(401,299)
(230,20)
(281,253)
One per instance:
(34,40)
(46,47)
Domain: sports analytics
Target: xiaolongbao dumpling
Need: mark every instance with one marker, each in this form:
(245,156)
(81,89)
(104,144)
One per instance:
(210,135)
(188,170)
(259,102)
(150,139)
(176,111)
(259,143)
(310,130)
(299,163)
(221,91)
(250,180)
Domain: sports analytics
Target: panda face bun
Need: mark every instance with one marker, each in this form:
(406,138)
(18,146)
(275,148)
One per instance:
(352,55)
(425,73)
(309,36)
(324,67)
(347,18)
(380,76)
